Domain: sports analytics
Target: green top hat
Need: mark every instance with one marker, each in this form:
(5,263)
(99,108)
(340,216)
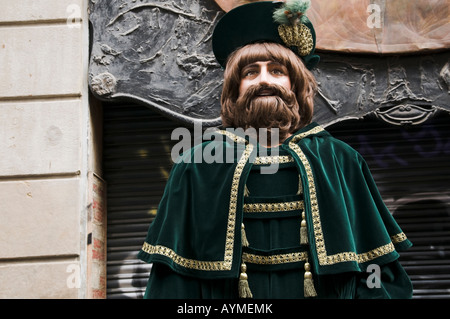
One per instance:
(267,21)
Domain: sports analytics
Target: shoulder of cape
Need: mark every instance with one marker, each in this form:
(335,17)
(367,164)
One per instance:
(322,140)
(230,138)
(219,149)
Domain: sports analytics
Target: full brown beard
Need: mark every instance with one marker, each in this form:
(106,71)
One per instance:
(278,110)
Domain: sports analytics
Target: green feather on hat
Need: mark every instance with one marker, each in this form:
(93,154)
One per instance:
(291,11)
(292,30)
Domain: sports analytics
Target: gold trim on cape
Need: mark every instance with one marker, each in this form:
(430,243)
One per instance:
(226,263)
(185,262)
(323,257)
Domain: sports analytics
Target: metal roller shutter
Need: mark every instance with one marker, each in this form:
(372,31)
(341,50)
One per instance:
(412,170)
(410,166)
(136,164)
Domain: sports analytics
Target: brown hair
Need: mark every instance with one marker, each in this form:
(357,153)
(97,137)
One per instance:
(303,82)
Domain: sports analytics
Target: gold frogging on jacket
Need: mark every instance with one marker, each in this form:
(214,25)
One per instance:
(308,284)
(316,232)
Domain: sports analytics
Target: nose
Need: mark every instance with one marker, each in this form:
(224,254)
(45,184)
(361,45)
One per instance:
(264,76)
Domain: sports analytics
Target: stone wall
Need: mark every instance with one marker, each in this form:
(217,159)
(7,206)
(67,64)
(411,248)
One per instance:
(47,140)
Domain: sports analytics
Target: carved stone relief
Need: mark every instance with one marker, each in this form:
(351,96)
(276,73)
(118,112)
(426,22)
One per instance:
(401,90)
(158,53)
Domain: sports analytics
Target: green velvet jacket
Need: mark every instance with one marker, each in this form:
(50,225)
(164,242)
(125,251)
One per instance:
(197,231)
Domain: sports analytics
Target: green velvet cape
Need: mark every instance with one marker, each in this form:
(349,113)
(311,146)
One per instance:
(197,229)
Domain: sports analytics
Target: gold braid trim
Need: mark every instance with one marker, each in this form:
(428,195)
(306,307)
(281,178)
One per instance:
(185,262)
(317,226)
(232,136)
(312,131)
(273,207)
(398,238)
(262,160)
(228,259)
(324,258)
(226,263)
(274,259)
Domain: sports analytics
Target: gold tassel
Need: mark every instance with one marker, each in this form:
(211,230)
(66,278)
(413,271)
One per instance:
(309,290)
(246,191)
(300,187)
(303,231)
(244,239)
(244,288)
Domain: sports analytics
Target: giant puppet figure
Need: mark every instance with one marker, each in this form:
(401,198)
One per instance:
(316,227)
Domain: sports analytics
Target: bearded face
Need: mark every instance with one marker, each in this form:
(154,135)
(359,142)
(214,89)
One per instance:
(280,98)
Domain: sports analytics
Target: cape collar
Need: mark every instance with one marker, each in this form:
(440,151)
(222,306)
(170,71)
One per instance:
(240,136)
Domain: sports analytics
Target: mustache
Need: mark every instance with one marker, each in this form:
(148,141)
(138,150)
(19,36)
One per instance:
(267,92)
(260,90)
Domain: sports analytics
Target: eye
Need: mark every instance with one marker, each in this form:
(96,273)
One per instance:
(279,70)
(249,73)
